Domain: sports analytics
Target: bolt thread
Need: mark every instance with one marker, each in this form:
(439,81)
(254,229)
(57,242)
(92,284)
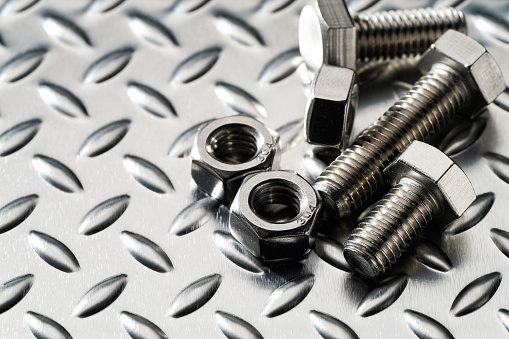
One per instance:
(391,34)
(389,229)
(350,180)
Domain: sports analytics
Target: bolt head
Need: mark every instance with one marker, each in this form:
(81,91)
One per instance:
(275,215)
(331,107)
(438,173)
(470,58)
(327,35)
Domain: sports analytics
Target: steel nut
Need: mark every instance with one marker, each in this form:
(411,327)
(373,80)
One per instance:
(471,59)
(438,174)
(331,107)
(275,215)
(227,149)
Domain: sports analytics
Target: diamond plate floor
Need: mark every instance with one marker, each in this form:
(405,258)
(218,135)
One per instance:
(103,234)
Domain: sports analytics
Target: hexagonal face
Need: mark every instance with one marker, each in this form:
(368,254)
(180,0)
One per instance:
(228,149)
(275,215)
(331,107)
(438,173)
(327,35)
(470,58)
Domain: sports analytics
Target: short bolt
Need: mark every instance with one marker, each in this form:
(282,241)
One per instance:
(427,185)
(329,35)
(462,78)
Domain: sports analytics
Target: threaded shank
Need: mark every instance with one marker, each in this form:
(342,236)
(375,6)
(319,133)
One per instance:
(389,229)
(349,181)
(391,34)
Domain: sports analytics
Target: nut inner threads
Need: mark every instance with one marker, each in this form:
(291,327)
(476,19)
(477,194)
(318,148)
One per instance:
(276,201)
(234,143)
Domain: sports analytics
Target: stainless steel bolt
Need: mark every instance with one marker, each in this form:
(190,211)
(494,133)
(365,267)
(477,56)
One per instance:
(329,35)
(462,77)
(427,185)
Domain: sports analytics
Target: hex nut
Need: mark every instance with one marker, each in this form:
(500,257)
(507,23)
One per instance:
(275,215)
(331,107)
(471,59)
(320,26)
(438,173)
(226,150)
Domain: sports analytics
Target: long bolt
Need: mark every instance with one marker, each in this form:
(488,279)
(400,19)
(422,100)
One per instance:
(391,34)
(350,180)
(389,229)
(329,35)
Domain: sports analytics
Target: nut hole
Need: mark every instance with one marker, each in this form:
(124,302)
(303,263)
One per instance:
(234,143)
(276,201)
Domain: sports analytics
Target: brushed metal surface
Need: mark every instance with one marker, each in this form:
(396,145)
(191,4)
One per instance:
(104,235)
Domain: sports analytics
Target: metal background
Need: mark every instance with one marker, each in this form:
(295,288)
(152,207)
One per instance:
(103,234)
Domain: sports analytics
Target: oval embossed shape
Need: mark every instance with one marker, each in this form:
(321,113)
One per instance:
(382,296)
(237,29)
(239,100)
(499,165)
(463,136)
(476,294)
(194,216)
(17,6)
(15,212)
(22,64)
(288,295)
(331,252)
(103,215)
(188,5)
(108,65)
(147,174)
(473,215)
(329,327)
(493,24)
(290,134)
(18,136)
(146,252)
(138,327)
(100,296)
(280,67)
(150,100)
(425,327)
(64,30)
(53,252)
(183,144)
(234,328)
(432,256)
(236,253)
(56,174)
(103,5)
(503,315)
(104,139)
(501,240)
(196,65)
(14,290)
(151,30)
(43,327)
(194,296)
(62,100)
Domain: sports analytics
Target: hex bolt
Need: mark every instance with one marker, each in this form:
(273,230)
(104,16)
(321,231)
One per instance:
(329,35)
(427,185)
(462,77)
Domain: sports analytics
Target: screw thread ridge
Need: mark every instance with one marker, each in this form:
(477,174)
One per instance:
(350,180)
(389,229)
(391,34)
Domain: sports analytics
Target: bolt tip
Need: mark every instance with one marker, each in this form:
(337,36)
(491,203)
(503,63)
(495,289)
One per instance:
(362,263)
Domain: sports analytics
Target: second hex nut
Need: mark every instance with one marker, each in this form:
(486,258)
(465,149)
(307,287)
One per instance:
(228,149)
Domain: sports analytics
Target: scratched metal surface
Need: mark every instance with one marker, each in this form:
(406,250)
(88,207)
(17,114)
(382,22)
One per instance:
(103,235)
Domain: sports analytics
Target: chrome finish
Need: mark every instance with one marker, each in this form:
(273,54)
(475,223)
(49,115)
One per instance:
(447,89)
(275,215)
(228,149)
(427,184)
